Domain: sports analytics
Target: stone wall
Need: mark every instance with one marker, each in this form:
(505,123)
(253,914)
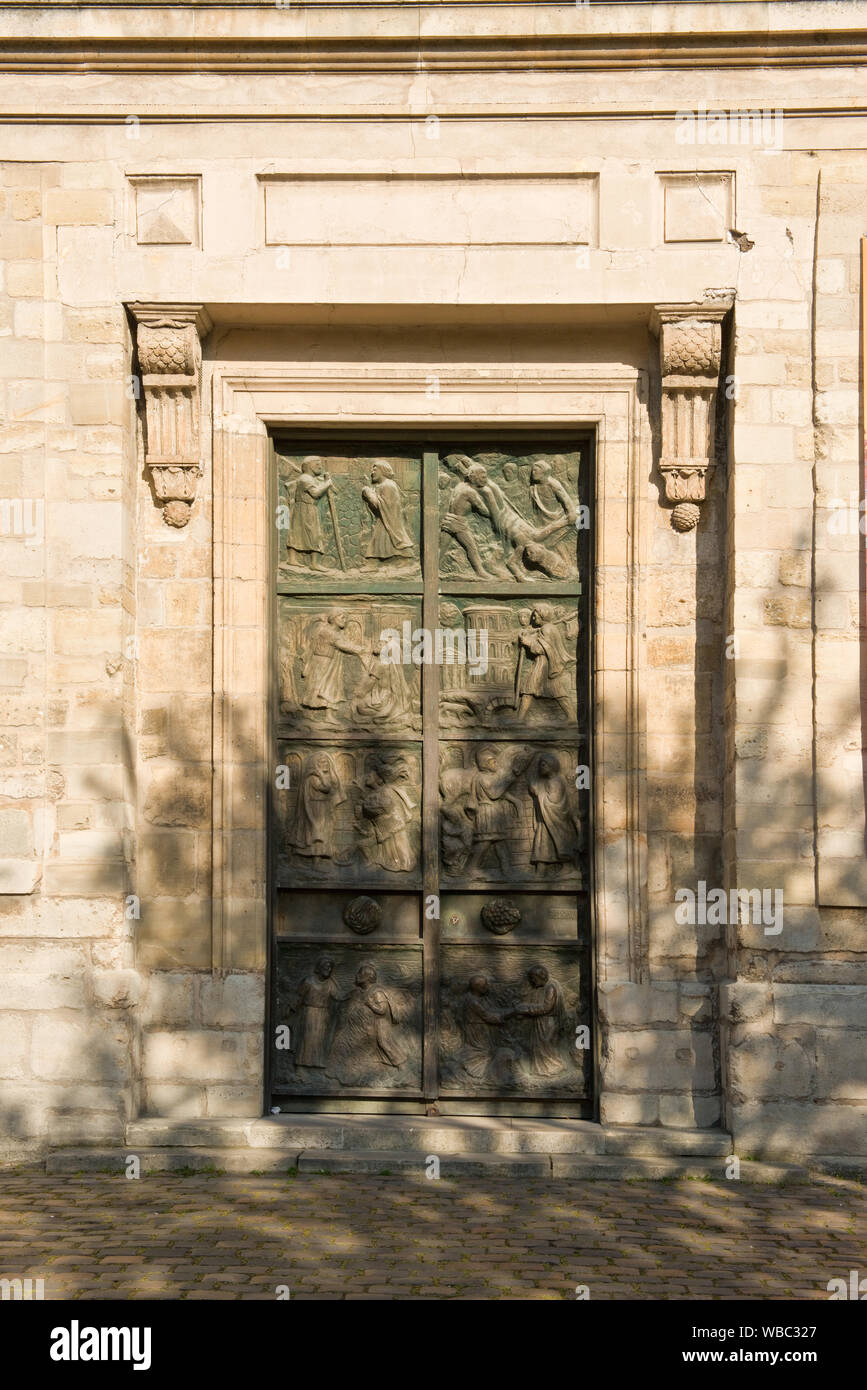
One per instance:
(739,649)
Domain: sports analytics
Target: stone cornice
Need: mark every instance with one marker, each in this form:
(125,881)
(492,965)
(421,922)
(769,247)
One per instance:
(312,37)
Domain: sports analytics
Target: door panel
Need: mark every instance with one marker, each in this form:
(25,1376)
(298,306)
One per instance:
(429,842)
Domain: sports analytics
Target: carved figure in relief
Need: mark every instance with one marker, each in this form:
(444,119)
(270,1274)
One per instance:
(288,688)
(550,498)
(383,696)
(546,1009)
(481,1056)
(455,786)
(384,499)
(521,542)
(557,833)
(317,998)
(305,541)
(322,662)
(371,1015)
(388,808)
(493,810)
(320,795)
(465,499)
(549,678)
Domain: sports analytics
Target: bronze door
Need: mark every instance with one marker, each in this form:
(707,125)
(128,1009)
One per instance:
(429,820)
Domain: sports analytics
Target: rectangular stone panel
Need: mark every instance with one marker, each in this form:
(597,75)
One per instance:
(349,813)
(509,1021)
(522,917)
(510,516)
(447,210)
(331,670)
(509,664)
(511,814)
(343,515)
(347,1019)
(342,916)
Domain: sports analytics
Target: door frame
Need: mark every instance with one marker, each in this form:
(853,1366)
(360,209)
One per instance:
(252,402)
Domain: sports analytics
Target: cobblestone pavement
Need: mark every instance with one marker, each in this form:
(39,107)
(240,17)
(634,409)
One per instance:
(391,1237)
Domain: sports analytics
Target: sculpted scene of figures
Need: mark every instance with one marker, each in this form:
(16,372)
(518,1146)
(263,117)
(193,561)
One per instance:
(508,1021)
(504,516)
(349,814)
(345,515)
(509,812)
(354,1018)
(330,672)
(529,678)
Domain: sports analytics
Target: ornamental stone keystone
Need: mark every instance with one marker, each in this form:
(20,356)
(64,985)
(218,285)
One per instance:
(168,340)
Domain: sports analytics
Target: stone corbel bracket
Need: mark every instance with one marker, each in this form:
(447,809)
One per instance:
(690,350)
(169,343)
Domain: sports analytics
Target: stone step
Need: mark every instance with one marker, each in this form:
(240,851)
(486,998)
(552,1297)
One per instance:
(426,1135)
(402,1163)
(244,1161)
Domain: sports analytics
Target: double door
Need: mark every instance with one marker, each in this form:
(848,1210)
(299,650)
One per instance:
(429,822)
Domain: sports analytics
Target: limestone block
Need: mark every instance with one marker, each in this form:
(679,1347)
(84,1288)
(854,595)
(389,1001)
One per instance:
(624,1005)
(182,1102)
(179,795)
(65,1048)
(225,1101)
(14,1046)
(842,1060)
(116,989)
(689,1112)
(31,989)
(75,207)
(200,1055)
(166,864)
(770,1067)
(788,1129)
(661,1060)
(232,1001)
(18,876)
(168,998)
(628,1110)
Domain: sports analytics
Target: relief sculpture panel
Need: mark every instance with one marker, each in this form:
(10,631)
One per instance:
(330,669)
(344,515)
(353,1019)
(510,812)
(349,814)
(521,670)
(509,1017)
(509,516)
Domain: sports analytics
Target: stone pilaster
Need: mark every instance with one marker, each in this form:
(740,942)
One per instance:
(168,340)
(690,345)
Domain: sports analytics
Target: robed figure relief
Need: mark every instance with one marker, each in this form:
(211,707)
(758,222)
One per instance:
(483,1057)
(305,541)
(322,662)
(387,810)
(371,1027)
(545,1009)
(320,795)
(390,539)
(557,830)
(318,997)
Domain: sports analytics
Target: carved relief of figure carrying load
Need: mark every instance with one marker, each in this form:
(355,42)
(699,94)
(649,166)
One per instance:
(544,644)
(521,543)
(482,1056)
